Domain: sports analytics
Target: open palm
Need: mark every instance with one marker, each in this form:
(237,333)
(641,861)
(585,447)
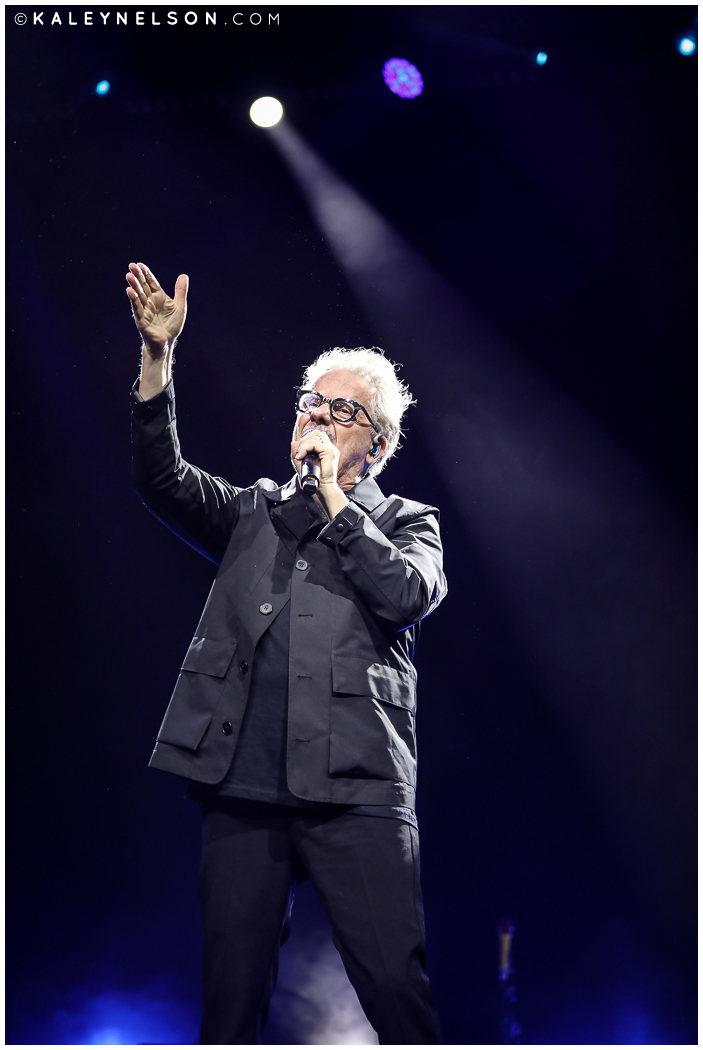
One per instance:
(159,318)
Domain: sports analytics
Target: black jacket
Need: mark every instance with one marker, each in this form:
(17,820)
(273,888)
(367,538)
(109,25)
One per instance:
(357,589)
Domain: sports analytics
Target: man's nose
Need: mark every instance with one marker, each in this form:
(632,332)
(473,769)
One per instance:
(321,414)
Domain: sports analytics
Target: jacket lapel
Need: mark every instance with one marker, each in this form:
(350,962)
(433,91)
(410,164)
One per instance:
(367,494)
(292,513)
(292,516)
(283,492)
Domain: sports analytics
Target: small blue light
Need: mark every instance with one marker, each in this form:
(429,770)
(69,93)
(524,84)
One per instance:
(403,78)
(103,87)
(541,58)
(687,45)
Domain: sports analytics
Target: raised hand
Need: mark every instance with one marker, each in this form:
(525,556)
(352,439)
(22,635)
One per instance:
(158,318)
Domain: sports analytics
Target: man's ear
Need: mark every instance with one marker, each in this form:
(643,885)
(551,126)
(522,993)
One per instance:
(377,449)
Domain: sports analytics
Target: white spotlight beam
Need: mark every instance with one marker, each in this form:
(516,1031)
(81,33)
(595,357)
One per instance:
(595,567)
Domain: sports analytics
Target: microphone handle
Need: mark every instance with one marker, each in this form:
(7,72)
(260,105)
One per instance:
(310,473)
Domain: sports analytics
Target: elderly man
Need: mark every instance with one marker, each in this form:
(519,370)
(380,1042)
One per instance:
(293,717)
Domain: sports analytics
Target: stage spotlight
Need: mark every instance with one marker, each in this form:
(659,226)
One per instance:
(266,111)
(687,45)
(103,87)
(403,78)
(541,58)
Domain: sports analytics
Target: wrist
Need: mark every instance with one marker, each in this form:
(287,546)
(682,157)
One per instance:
(156,369)
(333,498)
(332,487)
(156,351)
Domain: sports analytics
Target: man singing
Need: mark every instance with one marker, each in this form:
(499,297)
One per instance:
(293,716)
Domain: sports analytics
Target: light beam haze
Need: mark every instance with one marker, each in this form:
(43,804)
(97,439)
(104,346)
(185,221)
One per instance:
(595,566)
(314,999)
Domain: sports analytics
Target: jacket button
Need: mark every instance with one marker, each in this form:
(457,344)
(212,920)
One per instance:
(244,667)
(227,728)
(301,564)
(339,527)
(266,608)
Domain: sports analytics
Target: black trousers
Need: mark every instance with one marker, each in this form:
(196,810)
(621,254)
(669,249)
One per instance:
(366,871)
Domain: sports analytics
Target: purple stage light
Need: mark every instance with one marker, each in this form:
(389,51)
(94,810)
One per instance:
(403,78)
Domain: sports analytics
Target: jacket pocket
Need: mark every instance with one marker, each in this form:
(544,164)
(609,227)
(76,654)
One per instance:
(197,691)
(372,727)
(210,656)
(359,677)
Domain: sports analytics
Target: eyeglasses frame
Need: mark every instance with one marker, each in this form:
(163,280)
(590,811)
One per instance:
(328,400)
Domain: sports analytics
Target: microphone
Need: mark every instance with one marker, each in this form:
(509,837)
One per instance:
(310,473)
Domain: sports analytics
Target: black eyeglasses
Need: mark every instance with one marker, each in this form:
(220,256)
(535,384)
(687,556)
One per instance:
(342,409)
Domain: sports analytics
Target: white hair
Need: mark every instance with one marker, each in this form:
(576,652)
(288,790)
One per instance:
(389,398)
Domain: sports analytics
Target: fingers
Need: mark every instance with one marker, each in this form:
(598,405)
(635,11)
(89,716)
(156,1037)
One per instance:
(145,279)
(315,441)
(143,285)
(181,293)
(137,271)
(134,302)
(134,292)
(149,280)
(135,279)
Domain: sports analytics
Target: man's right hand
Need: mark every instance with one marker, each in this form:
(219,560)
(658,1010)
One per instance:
(158,318)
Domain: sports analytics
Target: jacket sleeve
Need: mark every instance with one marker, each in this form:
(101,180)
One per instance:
(399,576)
(202,510)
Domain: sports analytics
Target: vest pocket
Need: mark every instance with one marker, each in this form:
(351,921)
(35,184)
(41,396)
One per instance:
(197,691)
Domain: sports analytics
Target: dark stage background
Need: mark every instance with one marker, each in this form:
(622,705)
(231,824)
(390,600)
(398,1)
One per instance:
(547,327)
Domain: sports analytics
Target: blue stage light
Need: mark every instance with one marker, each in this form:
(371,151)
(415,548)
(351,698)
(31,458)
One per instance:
(687,45)
(541,58)
(106,1037)
(403,78)
(103,87)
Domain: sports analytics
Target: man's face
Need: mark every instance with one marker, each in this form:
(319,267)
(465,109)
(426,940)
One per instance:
(354,440)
